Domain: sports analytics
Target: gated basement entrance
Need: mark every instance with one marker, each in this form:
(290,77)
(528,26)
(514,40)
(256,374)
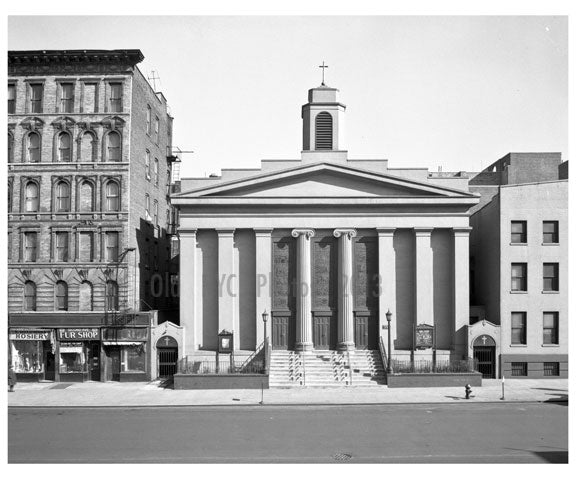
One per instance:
(485,356)
(167,348)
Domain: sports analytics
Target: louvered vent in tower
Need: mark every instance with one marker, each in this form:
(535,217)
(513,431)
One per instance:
(324,131)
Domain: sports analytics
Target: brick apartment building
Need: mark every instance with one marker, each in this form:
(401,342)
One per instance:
(89,216)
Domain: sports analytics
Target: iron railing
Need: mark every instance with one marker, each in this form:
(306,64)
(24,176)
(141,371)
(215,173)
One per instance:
(383,354)
(438,366)
(254,364)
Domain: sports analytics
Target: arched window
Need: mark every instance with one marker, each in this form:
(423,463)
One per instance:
(85,296)
(10,148)
(86,196)
(31,197)
(64,147)
(147,207)
(33,147)
(111,296)
(87,147)
(61,296)
(324,131)
(147,165)
(62,196)
(112,196)
(155,213)
(113,146)
(156,171)
(29,296)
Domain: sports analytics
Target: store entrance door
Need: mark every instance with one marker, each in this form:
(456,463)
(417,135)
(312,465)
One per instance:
(94,361)
(113,363)
(49,366)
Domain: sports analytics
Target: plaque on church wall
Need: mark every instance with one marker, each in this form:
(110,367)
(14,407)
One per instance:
(323,274)
(283,274)
(424,336)
(366,273)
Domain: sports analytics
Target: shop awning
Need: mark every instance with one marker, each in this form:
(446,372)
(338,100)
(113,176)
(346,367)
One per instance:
(122,343)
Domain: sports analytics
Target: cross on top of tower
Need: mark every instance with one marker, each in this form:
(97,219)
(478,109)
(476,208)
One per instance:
(323,67)
(153,77)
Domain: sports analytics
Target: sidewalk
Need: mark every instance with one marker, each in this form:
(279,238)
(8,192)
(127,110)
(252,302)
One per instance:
(111,394)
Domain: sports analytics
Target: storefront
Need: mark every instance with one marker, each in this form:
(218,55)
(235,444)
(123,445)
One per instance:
(32,354)
(79,354)
(126,354)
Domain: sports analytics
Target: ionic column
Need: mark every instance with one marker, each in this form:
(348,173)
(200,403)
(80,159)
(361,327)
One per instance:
(304,291)
(187,280)
(227,284)
(263,280)
(345,293)
(424,277)
(387,281)
(461,290)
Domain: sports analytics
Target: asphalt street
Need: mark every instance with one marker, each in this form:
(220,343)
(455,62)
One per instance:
(425,433)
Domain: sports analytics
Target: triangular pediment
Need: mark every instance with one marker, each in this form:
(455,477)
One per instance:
(323,180)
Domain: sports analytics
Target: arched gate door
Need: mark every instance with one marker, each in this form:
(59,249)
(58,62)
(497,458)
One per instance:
(485,356)
(167,348)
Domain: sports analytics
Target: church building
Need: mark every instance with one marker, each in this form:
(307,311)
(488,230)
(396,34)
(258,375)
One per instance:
(327,245)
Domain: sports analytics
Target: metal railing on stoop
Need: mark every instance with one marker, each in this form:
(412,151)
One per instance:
(383,356)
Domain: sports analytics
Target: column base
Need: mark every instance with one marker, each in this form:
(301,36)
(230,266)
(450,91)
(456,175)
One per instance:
(346,346)
(303,347)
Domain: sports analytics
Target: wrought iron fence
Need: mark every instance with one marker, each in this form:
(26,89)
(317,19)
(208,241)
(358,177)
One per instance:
(439,366)
(189,365)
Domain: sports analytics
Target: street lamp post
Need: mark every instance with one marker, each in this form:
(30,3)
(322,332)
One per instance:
(389,319)
(265,320)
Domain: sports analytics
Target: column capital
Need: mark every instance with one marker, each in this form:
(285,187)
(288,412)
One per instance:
(423,231)
(349,232)
(385,231)
(308,233)
(188,232)
(263,231)
(225,231)
(462,231)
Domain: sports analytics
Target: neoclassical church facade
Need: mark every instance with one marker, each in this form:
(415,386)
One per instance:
(326,245)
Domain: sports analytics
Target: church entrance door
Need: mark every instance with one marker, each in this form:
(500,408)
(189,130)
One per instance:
(283,331)
(366,331)
(324,331)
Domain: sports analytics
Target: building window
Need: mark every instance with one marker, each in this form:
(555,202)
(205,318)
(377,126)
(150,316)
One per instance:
(67,97)
(85,296)
(156,179)
(90,98)
(30,246)
(29,296)
(111,296)
(147,165)
(112,246)
(324,131)
(11,99)
(519,276)
(550,328)
(550,232)
(551,369)
(62,196)
(112,196)
(168,183)
(10,148)
(86,247)
(61,296)
(36,93)
(147,207)
(113,146)
(88,147)
(62,246)
(550,273)
(148,120)
(518,333)
(155,213)
(33,144)
(31,197)
(64,147)
(86,197)
(157,130)
(115,97)
(518,229)
(519,369)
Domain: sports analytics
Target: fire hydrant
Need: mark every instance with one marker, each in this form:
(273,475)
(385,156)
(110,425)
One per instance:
(468,390)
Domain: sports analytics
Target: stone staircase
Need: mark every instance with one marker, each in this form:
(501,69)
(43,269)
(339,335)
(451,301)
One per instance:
(326,369)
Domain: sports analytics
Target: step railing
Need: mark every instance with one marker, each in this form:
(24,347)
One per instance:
(350,369)
(383,356)
(303,358)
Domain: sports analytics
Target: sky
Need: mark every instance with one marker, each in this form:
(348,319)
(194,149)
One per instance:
(422,91)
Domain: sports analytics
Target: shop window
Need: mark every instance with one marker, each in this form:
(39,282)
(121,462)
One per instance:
(72,358)
(33,147)
(112,196)
(27,356)
(31,197)
(29,296)
(550,232)
(134,358)
(62,196)
(61,296)
(111,296)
